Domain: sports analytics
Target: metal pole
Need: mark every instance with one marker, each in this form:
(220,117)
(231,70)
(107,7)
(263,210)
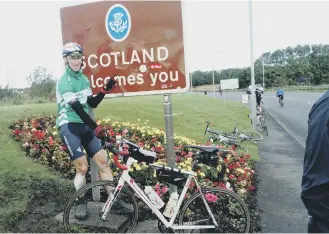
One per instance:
(263,77)
(213,74)
(253,98)
(169,127)
(96,192)
(191,82)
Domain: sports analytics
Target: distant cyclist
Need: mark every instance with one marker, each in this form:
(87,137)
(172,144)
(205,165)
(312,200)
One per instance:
(280,93)
(258,96)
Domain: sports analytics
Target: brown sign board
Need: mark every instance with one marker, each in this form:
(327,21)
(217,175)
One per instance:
(140,43)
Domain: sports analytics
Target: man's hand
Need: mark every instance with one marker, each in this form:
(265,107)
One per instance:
(109,84)
(100,132)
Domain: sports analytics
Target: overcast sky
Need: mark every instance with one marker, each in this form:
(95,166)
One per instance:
(31,33)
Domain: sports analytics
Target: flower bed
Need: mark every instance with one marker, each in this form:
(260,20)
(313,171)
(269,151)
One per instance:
(40,139)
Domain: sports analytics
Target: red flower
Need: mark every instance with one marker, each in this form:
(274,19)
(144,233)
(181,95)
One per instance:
(17,132)
(242,160)
(231,176)
(51,141)
(251,188)
(222,185)
(230,167)
(237,164)
(248,156)
(239,179)
(111,132)
(141,144)
(159,148)
(226,160)
(63,147)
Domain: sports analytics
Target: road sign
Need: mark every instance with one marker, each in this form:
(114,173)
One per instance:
(141,44)
(245,99)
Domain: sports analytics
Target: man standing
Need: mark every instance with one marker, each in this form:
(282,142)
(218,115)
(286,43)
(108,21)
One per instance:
(315,180)
(77,129)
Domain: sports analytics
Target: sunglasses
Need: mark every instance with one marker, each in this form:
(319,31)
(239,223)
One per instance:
(77,58)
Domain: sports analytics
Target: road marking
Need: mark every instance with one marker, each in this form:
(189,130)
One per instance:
(285,128)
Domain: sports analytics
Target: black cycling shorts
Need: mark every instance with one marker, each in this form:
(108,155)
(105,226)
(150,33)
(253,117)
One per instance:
(281,96)
(79,136)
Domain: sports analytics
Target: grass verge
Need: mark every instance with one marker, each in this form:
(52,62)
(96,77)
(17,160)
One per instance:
(30,194)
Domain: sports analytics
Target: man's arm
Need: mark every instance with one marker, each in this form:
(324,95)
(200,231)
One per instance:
(94,101)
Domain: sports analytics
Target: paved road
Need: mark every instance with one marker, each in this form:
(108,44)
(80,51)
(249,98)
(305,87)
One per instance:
(293,116)
(281,160)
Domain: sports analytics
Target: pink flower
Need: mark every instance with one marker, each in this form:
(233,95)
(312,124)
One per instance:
(211,198)
(124,132)
(222,185)
(63,147)
(251,188)
(157,186)
(164,189)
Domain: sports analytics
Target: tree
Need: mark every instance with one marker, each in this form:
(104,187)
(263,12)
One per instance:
(282,66)
(41,82)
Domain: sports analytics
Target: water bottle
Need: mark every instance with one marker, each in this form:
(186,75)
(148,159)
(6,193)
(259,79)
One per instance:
(169,210)
(154,198)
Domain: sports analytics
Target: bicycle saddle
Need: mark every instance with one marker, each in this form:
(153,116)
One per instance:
(208,149)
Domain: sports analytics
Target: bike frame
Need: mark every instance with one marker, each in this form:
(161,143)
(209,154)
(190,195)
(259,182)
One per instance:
(125,178)
(223,139)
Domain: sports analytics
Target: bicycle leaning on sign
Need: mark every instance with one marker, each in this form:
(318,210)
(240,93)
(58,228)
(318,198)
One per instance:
(201,211)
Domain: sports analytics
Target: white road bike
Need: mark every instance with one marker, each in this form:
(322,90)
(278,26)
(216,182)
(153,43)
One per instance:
(224,212)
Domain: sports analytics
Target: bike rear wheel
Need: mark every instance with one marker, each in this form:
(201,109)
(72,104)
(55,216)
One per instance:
(229,210)
(118,218)
(263,126)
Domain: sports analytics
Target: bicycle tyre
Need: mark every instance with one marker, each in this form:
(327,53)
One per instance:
(66,214)
(250,134)
(264,126)
(219,190)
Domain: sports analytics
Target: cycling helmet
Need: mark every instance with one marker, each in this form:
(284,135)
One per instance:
(72,48)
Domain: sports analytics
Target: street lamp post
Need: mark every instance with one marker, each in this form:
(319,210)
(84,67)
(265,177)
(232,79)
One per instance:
(263,76)
(253,98)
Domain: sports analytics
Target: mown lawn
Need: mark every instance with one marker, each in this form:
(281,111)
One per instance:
(26,184)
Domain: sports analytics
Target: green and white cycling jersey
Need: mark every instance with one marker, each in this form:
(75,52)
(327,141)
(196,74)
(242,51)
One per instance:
(72,85)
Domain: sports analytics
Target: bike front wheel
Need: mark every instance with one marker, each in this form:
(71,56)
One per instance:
(229,210)
(122,218)
(253,135)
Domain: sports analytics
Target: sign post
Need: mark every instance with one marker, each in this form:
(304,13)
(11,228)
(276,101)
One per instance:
(140,44)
